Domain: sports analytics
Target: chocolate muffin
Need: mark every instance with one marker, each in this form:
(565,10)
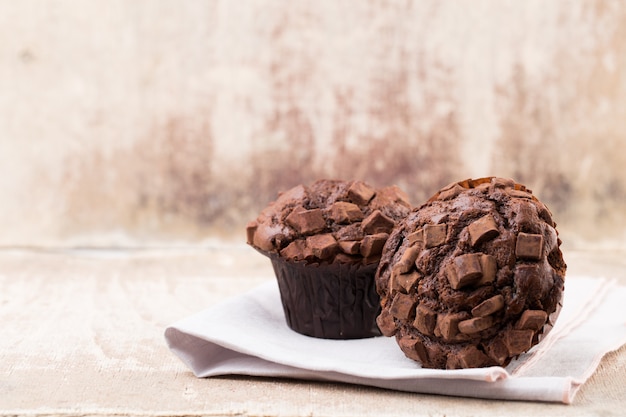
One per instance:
(472,278)
(325,241)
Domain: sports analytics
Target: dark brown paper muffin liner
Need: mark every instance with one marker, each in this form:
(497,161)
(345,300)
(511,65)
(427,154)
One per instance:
(333,301)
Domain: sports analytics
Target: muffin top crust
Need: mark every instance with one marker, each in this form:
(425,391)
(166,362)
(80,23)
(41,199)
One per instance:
(329,221)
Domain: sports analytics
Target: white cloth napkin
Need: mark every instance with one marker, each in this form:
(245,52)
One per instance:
(248,335)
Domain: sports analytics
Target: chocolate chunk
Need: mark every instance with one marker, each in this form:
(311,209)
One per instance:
(479,182)
(467,357)
(350,247)
(467,183)
(483,229)
(530,281)
(450,192)
(389,197)
(392,286)
(437,355)
(296,250)
(272,210)
(425,319)
(404,282)
(519,193)
(360,193)
(498,351)
(502,183)
(434,235)
(350,232)
(402,307)
(407,261)
(464,270)
(296,193)
(250,230)
(343,212)
(489,268)
(413,349)
(265,237)
(529,246)
(518,341)
(386,324)
(449,186)
(447,326)
(452,276)
(306,221)
(377,222)
(373,244)
(475,325)
(489,306)
(323,246)
(526,216)
(416,237)
(532,320)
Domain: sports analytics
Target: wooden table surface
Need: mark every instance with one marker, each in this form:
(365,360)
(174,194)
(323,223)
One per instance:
(82,334)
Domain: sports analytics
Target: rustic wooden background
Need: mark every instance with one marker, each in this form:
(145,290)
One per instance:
(175,122)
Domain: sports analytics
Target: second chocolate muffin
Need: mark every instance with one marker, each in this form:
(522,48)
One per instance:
(325,241)
(472,278)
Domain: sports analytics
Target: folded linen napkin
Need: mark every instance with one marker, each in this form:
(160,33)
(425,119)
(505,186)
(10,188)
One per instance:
(248,335)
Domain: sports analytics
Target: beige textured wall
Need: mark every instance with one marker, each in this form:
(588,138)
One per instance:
(152,122)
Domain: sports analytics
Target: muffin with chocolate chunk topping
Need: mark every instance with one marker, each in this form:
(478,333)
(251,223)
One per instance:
(472,278)
(325,241)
